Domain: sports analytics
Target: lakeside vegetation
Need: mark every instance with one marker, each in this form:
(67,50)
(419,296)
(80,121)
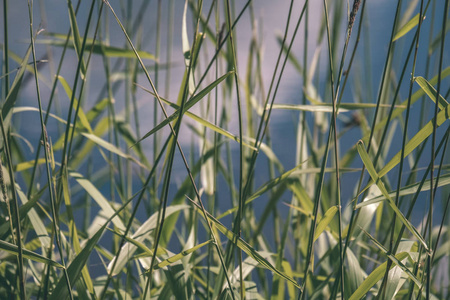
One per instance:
(132,169)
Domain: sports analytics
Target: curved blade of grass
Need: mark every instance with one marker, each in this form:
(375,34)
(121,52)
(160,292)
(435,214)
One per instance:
(30,108)
(264,188)
(142,233)
(377,179)
(180,255)
(407,190)
(201,121)
(249,250)
(188,105)
(414,142)
(431,92)
(99,198)
(324,221)
(77,43)
(73,232)
(76,266)
(13,249)
(398,111)
(14,90)
(374,277)
(102,49)
(28,165)
(36,222)
(394,259)
(141,246)
(81,115)
(328,107)
(407,27)
(111,148)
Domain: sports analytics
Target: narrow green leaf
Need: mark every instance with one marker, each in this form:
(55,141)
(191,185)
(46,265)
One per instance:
(249,250)
(414,142)
(394,259)
(407,27)
(28,165)
(81,115)
(188,105)
(328,107)
(202,121)
(77,42)
(398,111)
(376,178)
(14,90)
(110,147)
(102,49)
(374,277)
(141,234)
(407,190)
(13,249)
(326,219)
(75,268)
(179,256)
(99,198)
(264,188)
(431,92)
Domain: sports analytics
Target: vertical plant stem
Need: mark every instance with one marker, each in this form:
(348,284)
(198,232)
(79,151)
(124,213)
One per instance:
(433,143)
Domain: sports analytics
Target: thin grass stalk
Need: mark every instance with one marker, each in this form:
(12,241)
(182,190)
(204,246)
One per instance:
(83,81)
(405,133)
(257,145)
(216,139)
(303,134)
(179,147)
(18,238)
(334,290)
(127,92)
(156,76)
(223,41)
(5,48)
(263,125)
(424,108)
(335,96)
(65,151)
(46,154)
(50,102)
(240,212)
(432,194)
(443,143)
(134,211)
(353,216)
(310,249)
(440,228)
(6,200)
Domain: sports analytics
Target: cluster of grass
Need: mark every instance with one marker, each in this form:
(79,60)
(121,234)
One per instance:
(93,202)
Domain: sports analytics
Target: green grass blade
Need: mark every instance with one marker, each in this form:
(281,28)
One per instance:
(110,147)
(180,255)
(99,198)
(14,90)
(249,250)
(188,105)
(407,27)
(77,42)
(377,179)
(394,259)
(324,221)
(141,234)
(431,92)
(13,249)
(414,142)
(374,277)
